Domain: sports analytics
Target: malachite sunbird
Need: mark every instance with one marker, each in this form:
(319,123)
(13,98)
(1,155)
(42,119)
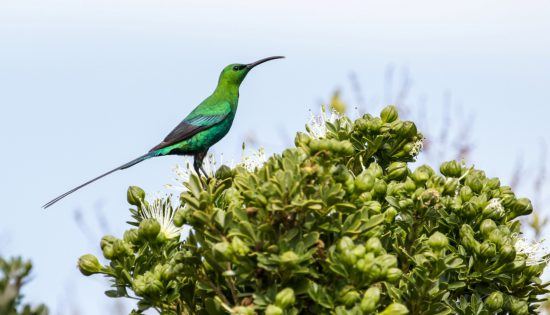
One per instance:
(201,129)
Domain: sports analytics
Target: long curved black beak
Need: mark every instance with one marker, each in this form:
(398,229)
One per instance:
(252,65)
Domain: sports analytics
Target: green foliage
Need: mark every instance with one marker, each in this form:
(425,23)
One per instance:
(338,224)
(14,275)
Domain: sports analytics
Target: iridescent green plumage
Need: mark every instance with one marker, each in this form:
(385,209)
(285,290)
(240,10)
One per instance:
(207,124)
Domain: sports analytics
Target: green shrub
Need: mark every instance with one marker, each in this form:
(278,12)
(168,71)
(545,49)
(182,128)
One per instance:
(338,224)
(14,274)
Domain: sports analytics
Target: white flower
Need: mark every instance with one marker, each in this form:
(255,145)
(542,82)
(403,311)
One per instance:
(535,251)
(496,205)
(417,146)
(183,173)
(162,211)
(317,125)
(182,176)
(255,160)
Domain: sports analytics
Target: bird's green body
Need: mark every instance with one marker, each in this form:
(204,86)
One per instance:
(221,103)
(207,124)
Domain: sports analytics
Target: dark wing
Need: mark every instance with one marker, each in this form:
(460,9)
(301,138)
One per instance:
(188,128)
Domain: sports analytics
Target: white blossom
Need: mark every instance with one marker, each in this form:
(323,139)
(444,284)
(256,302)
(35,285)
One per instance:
(496,205)
(535,251)
(317,125)
(254,160)
(182,176)
(210,164)
(417,146)
(162,211)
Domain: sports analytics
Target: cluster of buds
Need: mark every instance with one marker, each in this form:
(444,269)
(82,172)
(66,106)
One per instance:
(370,260)
(325,145)
(402,142)
(154,282)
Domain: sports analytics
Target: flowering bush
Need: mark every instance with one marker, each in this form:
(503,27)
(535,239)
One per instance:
(338,224)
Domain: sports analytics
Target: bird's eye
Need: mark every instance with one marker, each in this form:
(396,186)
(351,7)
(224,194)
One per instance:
(236,68)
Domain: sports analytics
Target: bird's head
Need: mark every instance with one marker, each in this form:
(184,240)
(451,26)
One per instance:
(235,73)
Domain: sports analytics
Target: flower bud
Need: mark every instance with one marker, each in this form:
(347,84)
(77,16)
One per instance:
(358,251)
(387,261)
(301,139)
(488,249)
(349,298)
(107,240)
(373,271)
(389,114)
(108,252)
(494,301)
(438,241)
(239,247)
(487,226)
(374,245)
(285,298)
(243,310)
(106,245)
(370,300)
(364,181)
(394,274)
(466,230)
(345,243)
(467,238)
(409,129)
(135,195)
(522,206)
(397,170)
(348,257)
(466,193)
(429,197)
(149,228)
(120,248)
(374,207)
(346,148)
(507,253)
(451,186)
(374,124)
(519,307)
(409,185)
(420,176)
(493,183)
(273,310)
(380,187)
(289,258)
(395,309)
(451,169)
(89,265)
(474,182)
(180,217)
(375,169)
(131,236)
(390,214)
(496,237)
(223,172)
(147,285)
(397,127)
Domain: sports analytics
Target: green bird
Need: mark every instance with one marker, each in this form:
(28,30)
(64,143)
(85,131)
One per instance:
(207,124)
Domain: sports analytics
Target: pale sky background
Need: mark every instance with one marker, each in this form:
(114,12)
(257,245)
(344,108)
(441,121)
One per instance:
(88,85)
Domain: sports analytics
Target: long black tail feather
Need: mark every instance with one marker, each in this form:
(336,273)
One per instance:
(124,166)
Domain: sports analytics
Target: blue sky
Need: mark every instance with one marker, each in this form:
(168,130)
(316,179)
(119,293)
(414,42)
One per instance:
(88,85)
